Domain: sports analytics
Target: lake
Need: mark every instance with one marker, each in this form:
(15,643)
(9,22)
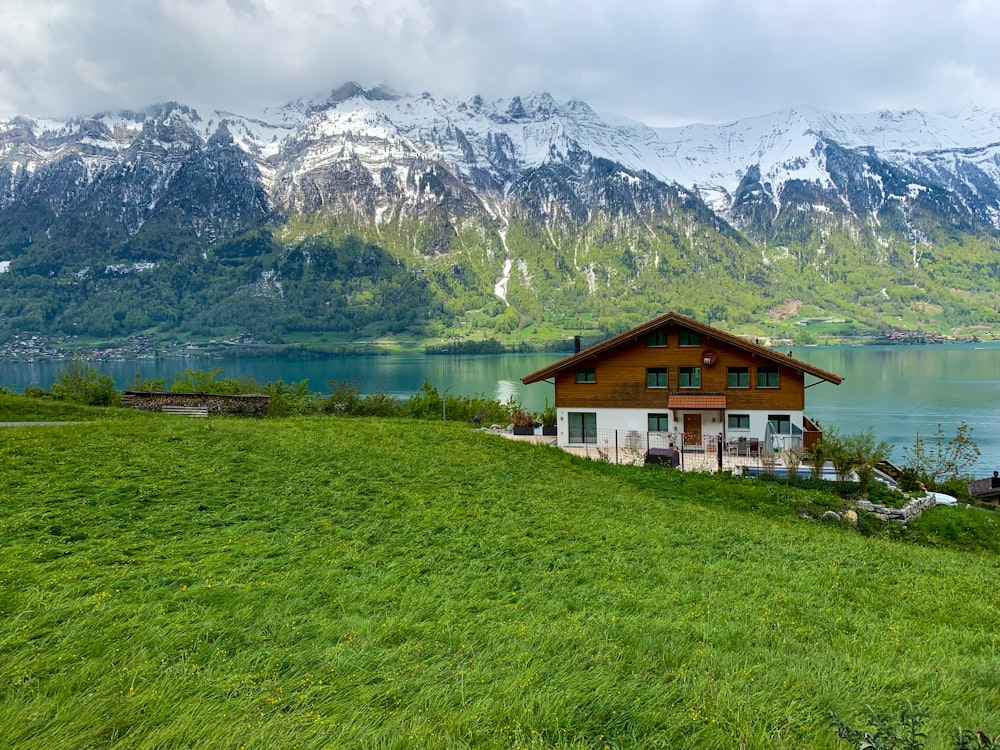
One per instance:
(897,390)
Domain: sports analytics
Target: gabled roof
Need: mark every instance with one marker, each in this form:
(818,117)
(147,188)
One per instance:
(648,327)
(984,487)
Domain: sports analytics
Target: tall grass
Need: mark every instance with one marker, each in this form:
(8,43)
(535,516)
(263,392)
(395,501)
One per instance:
(319,583)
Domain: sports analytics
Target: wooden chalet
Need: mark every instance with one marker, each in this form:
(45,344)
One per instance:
(679,381)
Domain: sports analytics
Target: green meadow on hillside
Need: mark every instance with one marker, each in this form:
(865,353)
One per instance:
(376,583)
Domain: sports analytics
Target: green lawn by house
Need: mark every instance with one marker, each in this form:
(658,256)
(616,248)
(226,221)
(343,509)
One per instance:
(337,583)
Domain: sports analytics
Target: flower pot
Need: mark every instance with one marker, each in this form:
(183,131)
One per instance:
(529,430)
(550,429)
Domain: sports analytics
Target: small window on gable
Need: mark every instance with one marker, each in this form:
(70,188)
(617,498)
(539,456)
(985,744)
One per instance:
(656,377)
(767,377)
(688,338)
(586,375)
(657,339)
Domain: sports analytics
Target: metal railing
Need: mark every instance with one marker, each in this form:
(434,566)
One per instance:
(776,442)
(692,452)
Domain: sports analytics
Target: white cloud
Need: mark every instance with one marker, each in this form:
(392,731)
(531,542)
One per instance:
(659,60)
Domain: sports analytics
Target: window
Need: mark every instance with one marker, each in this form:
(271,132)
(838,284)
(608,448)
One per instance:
(656,377)
(687,338)
(739,421)
(582,426)
(767,377)
(586,375)
(657,339)
(659,422)
(690,377)
(780,423)
(738,377)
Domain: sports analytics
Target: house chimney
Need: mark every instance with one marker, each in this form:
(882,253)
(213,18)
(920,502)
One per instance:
(576,345)
(995,481)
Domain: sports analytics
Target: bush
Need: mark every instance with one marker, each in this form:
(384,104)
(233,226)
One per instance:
(286,399)
(199,381)
(885,732)
(82,384)
(523,418)
(941,459)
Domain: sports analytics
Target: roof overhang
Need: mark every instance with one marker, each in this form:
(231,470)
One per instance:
(695,401)
(648,327)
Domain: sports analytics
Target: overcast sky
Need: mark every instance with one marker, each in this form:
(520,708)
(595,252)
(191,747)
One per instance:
(664,62)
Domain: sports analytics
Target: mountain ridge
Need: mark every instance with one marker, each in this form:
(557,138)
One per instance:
(497,215)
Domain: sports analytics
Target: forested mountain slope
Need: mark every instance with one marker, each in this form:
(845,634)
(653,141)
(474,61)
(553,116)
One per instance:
(371,212)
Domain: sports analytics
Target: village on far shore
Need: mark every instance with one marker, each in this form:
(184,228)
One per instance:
(33,347)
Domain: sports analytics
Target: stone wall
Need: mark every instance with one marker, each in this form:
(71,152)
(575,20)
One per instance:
(913,508)
(249,406)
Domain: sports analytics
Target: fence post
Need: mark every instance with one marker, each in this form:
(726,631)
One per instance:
(718,450)
(616,447)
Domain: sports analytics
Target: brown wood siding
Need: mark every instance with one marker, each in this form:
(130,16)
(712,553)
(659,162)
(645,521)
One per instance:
(621,378)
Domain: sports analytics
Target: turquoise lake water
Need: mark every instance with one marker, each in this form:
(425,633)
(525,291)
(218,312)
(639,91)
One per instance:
(897,390)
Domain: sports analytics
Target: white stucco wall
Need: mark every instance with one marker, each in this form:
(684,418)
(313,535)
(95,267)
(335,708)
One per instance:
(636,420)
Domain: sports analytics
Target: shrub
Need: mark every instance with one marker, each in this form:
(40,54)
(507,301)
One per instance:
(344,398)
(523,418)
(940,458)
(199,381)
(885,732)
(792,456)
(82,384)
(548,415)
(286,399)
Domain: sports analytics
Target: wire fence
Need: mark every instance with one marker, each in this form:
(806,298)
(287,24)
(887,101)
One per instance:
(691,452)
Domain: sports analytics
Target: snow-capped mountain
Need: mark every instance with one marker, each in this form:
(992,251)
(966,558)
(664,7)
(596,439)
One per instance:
(524,196)
(304,147)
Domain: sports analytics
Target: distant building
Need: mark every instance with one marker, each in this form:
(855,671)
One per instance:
(986,490)
(675,376)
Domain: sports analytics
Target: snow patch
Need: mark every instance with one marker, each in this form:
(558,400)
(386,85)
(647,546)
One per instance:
(591,275)
(500,288)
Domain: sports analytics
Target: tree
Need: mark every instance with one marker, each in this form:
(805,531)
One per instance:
(859,453)
(837,452)
(866,453)
(942,459)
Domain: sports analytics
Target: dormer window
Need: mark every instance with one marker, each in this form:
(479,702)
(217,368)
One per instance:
(657,339)
(688,338)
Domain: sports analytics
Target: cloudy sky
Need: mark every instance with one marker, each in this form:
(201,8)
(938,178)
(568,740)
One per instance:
(664,62)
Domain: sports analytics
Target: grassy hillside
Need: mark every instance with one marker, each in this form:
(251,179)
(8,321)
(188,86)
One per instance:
(334,583)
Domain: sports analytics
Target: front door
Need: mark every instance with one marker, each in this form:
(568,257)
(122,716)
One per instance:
(692,429)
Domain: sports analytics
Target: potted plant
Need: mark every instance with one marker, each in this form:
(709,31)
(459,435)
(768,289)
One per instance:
(524,422)
(548,420)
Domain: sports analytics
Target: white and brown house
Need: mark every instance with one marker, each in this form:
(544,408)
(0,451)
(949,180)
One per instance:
(675,378)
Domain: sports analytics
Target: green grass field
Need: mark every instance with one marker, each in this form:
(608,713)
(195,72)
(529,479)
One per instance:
(168,582)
